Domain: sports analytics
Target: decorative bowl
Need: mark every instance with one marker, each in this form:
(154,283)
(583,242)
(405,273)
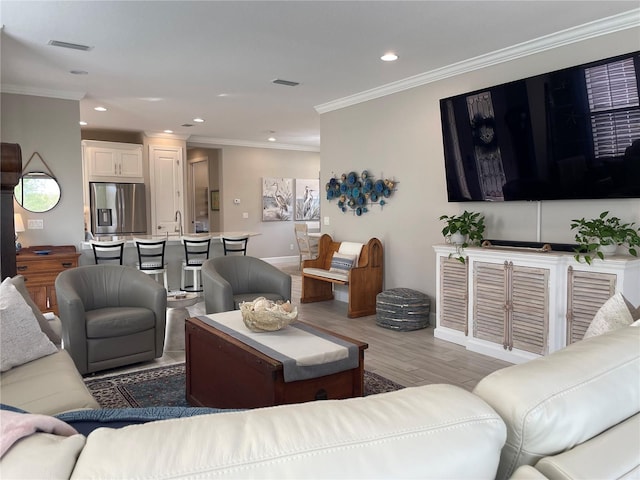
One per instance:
(264,315)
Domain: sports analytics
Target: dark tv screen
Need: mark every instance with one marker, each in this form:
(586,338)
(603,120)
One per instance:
(569,134)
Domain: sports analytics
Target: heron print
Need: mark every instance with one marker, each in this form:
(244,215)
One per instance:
(277,199)
(307,199)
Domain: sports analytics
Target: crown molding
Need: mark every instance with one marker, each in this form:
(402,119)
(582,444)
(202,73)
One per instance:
(615,23)
(42,92)
(207,141)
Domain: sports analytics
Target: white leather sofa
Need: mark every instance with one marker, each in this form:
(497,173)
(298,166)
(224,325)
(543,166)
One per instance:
(572,414)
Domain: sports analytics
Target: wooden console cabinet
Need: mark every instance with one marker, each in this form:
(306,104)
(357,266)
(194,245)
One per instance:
(40,271)
(520,304)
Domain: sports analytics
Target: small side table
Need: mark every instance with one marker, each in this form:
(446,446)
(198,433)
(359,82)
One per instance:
(177,313)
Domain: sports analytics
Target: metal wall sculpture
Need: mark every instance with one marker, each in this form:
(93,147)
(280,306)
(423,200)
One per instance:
(357,193)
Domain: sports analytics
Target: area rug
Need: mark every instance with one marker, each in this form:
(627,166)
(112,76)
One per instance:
(165,387)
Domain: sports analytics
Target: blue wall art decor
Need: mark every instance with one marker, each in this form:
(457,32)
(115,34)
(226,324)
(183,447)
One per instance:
(358,192)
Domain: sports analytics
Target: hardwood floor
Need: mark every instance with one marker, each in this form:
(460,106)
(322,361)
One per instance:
(408,358)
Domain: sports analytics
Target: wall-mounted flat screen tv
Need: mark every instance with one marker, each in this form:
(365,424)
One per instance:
(569,134)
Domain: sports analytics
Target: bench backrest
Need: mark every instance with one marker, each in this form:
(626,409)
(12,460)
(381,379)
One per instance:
(370,255)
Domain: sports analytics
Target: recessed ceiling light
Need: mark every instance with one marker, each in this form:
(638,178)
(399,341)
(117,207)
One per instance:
(272,139)
(198,120)
(389,57)
(100,109)
(168,131)
(84,124)
(78,72)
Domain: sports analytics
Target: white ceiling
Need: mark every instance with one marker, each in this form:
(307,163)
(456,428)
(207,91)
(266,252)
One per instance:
(158,64)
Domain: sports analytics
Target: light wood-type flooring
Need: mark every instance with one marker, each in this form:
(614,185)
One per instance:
(408,358)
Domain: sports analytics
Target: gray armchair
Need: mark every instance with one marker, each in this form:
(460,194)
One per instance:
(111,315)
(229,281)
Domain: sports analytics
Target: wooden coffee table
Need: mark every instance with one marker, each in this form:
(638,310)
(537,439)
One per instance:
(224,372)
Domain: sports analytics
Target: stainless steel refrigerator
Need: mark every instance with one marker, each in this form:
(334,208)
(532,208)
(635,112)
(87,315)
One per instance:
(118,208)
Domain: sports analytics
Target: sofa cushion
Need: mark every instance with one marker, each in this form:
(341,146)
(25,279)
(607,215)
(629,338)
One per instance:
(616,312)
(435,431)
(15,426)
(49,385)
(118,321)
(45,326)
(619,447)
(42,455)
(21,339)
(553,403)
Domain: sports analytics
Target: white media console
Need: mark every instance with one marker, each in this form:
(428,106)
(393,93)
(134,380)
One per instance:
(518,304)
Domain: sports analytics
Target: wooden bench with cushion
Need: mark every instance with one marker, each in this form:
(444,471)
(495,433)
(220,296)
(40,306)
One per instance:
(364,278)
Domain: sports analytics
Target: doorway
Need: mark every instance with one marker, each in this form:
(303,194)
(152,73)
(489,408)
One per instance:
(199,201)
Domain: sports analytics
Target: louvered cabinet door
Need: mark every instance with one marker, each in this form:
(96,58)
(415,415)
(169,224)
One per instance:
(529,309)
(586,293)
(490,300)
(453,294)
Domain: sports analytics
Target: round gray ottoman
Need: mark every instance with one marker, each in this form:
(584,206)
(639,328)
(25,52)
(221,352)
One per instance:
(402,309)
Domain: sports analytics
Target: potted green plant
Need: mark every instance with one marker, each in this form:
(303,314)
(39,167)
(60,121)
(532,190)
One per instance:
(601,236)
(463,230)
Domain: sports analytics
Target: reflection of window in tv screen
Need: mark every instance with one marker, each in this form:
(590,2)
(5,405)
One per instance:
(569,134)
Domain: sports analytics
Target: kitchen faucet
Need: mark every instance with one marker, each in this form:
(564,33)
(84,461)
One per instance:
(179,215)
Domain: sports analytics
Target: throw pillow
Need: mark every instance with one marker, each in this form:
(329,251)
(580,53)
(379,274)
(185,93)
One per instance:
(342,262)
(21,339)
(616,313)
(18,282)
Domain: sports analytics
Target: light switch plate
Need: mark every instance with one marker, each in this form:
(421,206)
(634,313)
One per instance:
(245,214)
(326,220)
(35,224)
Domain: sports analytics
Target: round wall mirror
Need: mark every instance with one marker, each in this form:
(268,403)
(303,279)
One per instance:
(37,192)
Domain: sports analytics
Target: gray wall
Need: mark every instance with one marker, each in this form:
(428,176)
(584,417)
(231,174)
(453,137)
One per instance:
(50,127)
(399,136)
(241,177)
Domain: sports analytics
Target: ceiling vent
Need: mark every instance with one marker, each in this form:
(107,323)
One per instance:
(287,83)
(73,46)
(186,125)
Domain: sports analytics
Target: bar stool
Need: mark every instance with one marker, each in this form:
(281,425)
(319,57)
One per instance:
(235,244)
(107,251)
(196,251)
(151,258)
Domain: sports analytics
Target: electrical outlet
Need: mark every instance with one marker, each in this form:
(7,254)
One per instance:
(245,214)
(236,201)
(326,220)
(35,224)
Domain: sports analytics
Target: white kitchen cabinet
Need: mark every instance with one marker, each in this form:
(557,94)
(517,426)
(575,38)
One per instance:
(112,162)
(519,304)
